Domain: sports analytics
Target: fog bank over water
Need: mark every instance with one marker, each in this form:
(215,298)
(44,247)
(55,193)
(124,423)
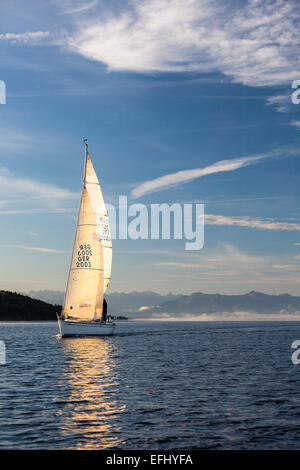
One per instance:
(226,316)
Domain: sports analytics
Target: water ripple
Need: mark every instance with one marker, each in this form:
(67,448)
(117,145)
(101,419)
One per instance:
(151,386)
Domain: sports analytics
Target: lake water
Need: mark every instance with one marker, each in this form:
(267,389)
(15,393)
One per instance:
(154,385)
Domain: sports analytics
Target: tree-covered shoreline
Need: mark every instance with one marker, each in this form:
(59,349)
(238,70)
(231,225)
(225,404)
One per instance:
(19,307)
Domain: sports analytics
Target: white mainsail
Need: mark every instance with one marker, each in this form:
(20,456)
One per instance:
(90,269)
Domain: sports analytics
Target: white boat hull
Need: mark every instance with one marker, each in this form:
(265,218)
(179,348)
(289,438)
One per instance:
(76,328)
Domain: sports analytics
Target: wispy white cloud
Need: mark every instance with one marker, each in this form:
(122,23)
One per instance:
(42,210)
(34,234)
(18,187)
(281,102)
(255,43)
(226,257)
(184,176)
(232,258)
(42,250)
(241,201)
(263,224)
(258,281)
(26,281)
(21,195)
(200,266)
(25,38)
(229,265)
(80,8)
(296,124)
(287,267)
(12,139)
(184,265)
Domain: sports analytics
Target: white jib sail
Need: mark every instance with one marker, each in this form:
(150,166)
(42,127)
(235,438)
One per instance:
(103,228)
(90,268)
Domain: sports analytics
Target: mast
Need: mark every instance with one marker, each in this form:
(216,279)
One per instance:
(85,160)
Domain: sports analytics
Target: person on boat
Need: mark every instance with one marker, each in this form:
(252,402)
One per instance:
(104,313)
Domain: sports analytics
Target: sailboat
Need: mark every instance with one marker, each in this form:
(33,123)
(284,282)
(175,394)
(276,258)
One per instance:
(90,268)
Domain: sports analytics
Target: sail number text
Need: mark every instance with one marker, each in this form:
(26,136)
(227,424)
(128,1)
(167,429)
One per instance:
(84,255)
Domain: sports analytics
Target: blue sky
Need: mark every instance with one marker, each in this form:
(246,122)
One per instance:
(157,87)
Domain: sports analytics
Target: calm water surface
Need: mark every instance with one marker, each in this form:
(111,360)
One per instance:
(168,385)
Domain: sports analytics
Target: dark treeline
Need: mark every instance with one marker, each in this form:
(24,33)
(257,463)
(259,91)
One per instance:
(17,307)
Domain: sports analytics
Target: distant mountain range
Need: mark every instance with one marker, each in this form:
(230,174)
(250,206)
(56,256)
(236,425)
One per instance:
(54,297)
(153,305)
(117,302)
(212,304)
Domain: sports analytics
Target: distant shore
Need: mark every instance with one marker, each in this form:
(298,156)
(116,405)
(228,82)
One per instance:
(16,307)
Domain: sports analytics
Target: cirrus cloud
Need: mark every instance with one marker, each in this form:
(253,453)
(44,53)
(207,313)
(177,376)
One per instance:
(26,38)
(255,43)
(263,224)
(184,176)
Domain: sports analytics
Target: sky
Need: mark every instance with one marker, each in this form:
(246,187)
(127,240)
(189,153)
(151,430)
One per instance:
(182,102)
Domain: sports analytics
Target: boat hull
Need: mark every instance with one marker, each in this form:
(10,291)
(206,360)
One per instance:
(76,328)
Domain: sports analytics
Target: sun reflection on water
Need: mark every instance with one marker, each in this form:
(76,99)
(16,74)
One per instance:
(90,415)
